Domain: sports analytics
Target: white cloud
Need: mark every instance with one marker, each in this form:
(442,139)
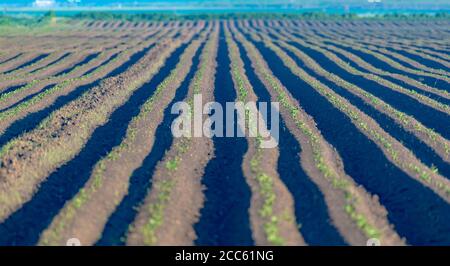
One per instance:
(44,3)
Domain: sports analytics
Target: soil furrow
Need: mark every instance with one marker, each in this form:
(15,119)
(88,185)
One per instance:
(172,206)
(355,213)
(224,218)
(115,162)
(365,162)
(82,116)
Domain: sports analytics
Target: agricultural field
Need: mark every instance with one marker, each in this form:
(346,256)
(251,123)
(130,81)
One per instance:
(87,150)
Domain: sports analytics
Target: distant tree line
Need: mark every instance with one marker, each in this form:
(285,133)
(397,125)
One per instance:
(45,19)
(246,15)
(206,16)
(50,16)
(439,15)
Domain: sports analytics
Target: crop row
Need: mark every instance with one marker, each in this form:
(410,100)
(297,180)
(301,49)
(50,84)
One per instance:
(354,202)
(80,117)
(98,186)
(442,93)
(73,72)
(86,46)
(404,78)
(265,189)
(439,74)
(343,36)
(393,149)
(68,84)
(426,134)
(408,92)
(171,206)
